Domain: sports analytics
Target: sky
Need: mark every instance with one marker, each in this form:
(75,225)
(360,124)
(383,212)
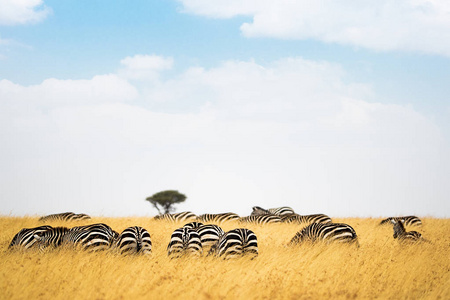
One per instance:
(330,107)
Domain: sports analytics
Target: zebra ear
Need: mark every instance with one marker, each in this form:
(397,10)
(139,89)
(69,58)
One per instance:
(37,237)
(393,221)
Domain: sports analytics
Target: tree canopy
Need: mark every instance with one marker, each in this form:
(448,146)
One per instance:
(165,200)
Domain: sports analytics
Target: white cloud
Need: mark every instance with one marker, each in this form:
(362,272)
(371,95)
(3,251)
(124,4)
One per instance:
(15,12)
(419,25)
(145,66)
(291,132)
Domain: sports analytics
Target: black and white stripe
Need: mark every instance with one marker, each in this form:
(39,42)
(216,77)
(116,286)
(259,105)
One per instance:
(408,220)
(26,237)
(178,217)
(184,241)
(261,219)
(93,237)
(193,225)
(51,238)
(67,216)
(134,240)
(299,219)
(218,218)
(278,211)
(236,243)
(327,232)
(401,234)
(209,234)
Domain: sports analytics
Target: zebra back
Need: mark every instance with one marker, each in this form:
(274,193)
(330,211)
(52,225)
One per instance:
(295,218)
(193,225)
(219,218)
(92,237)
(26,237)
(278,211)
(261,219)
(178,217)
(325,232)
(134,240)
(184,241)
(281,211)
(408,220)
(236,243)
(67,216)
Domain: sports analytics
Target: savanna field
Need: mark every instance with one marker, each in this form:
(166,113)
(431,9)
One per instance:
(380,268)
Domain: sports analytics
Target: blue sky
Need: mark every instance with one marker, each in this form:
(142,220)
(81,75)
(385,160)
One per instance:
(340,109)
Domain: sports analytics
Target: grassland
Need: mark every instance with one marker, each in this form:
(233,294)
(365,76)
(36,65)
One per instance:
(380,268)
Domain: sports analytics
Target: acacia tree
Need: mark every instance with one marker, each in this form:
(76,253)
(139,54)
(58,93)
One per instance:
(165,200)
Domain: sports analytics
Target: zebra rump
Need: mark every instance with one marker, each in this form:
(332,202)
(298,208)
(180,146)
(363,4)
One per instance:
(218,217)
(184,241)
(26,237)
(178,217)
(68,216)
(295,218)
(407,220)
(327,232)
(93,237)
(236,243)
(261,219)
(134,240)
(209,234)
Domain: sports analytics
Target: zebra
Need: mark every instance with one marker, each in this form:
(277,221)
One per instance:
(134,240)
(279,211)
(193,225)
(81,217)
(401,234)
(67,216)
(26,237)
(236,243)
(92,237)
(184,241)
(295,218)
(325,232)
(261,219)
(219,218)
(182,216)
(52,237)
(209,234)
(408,220)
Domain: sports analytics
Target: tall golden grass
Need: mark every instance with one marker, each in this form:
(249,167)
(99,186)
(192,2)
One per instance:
(380,268)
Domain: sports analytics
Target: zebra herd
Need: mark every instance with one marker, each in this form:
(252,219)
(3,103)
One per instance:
(195,238)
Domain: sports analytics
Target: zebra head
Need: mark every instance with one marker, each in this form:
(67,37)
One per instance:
(399,228)
(51,237)
(257,210)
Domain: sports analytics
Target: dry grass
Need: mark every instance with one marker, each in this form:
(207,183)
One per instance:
(380,268)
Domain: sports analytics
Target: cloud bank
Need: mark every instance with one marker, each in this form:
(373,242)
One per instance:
(290,132)
(15,12)
(404,25)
